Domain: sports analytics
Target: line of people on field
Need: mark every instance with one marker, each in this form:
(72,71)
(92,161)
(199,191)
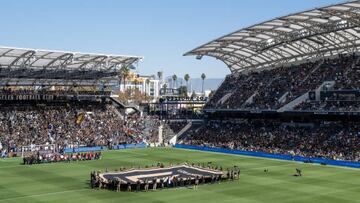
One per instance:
(54,157)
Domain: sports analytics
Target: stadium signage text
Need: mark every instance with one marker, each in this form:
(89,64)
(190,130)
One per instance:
(12,97)
(185,98)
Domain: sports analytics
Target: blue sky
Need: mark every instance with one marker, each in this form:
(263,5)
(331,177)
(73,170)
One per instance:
(160,30)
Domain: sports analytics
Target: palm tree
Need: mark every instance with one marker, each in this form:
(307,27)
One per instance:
(203,76)
(174,78)
(187,78)
(125,73)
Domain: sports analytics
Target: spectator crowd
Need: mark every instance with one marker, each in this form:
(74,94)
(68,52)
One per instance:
(330,140)
(71,124)
(272,89)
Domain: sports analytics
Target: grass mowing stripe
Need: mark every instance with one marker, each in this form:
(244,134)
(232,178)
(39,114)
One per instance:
(41,195)
(64,182)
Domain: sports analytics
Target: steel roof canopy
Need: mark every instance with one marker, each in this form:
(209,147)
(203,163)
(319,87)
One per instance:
(294,38)
(13,58)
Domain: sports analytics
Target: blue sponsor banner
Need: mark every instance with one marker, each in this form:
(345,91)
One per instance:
(102,148)
(273,156)
(129,146)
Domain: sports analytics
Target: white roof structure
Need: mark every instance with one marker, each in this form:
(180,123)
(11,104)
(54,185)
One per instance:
(294,38)
(33,58)
(18,64)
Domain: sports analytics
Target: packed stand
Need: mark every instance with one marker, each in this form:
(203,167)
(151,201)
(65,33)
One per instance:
(176,127)
(69,124)
(144,128)
(333,106)
(227,87)
(272,89)
(332,140)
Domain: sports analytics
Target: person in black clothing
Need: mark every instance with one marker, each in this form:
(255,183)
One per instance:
(118,185)
(137,185)
(231,174)
(212,179)
(196,182)
(154,182)
(238,173)
(161,183)
(189,181)
(228,174)
(181,181)
(92,179)
(146,185)
(175,181)
(218,178)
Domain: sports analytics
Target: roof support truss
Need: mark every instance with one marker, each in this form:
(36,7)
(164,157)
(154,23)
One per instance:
(290,39)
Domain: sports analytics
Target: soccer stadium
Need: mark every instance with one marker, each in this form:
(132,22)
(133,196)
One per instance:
(283,126)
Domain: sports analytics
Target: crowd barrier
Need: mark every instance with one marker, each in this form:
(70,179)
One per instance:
(273,156)
(103,148)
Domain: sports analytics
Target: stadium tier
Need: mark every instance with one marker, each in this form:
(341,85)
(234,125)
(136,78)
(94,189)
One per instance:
(291,62)
(289,88)
(329,140)
(70,124)
(59,100)
(293,89)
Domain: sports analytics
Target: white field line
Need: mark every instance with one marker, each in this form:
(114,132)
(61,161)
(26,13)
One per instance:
(41,195)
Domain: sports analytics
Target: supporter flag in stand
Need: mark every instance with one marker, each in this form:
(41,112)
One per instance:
(79,118)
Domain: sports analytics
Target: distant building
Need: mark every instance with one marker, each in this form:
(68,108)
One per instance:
(148,85)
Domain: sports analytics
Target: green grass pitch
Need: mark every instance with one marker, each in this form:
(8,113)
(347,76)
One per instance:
(68,182)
